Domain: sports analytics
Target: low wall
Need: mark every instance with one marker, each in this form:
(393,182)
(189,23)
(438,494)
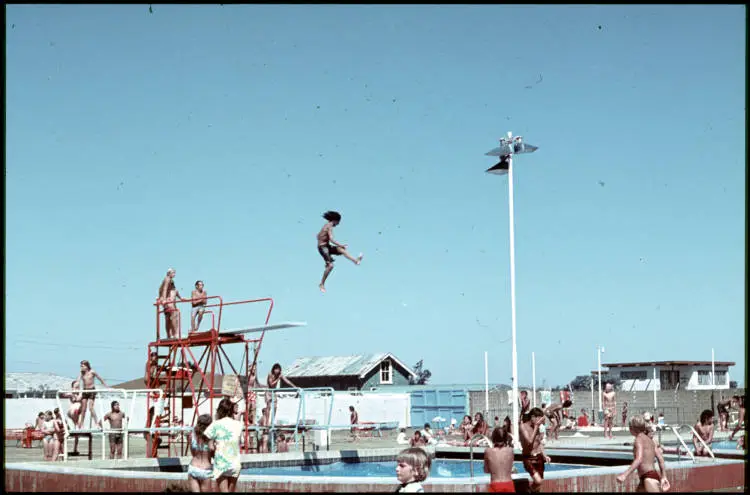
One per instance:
(683,477)
(379,408)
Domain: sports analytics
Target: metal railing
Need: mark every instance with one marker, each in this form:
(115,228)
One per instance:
(676,430)
(101,431)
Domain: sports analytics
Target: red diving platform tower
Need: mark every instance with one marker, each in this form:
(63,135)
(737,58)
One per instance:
(189,383)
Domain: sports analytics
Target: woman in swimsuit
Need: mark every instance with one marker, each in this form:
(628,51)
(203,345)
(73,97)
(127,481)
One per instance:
(200,469)
(48,428)
(59,435)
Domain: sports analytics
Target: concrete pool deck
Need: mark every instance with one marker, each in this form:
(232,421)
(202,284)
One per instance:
(141,474)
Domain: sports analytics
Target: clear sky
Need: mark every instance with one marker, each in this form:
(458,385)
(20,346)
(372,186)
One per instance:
(211,139)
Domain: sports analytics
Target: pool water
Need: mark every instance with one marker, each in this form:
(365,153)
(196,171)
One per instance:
(725,444)
(441,468)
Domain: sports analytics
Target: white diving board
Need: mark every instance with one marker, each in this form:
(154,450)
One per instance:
(264,328)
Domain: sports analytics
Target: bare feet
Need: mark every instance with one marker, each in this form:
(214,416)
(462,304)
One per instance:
(322,288)
(359,259)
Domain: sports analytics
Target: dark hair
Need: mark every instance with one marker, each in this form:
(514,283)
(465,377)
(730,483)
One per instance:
(57,411)
(225,409)
(198,282)
(332,216)
(41,413)
(501,438)
(113,404)
(86,363)
(535,413)
(567,403)
(706,415)
(417,432)
(275,365)
(351,408)
(427,425)
(507,421)
(199,430)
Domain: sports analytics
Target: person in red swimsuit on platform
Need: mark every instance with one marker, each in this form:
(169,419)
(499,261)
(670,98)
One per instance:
(644,456)
(498,461)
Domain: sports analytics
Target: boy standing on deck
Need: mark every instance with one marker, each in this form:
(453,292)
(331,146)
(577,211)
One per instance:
(115,418)
(328,247)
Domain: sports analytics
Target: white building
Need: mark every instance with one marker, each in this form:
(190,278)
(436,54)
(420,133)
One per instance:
(670,375)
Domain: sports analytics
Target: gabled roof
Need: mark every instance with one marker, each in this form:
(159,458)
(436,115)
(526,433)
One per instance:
(359,365)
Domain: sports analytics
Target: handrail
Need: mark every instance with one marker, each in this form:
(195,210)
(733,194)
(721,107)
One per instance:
(471,451)
(679,452)
(301,408)
(66,434)
(696,435)
(159,310)
(149,391)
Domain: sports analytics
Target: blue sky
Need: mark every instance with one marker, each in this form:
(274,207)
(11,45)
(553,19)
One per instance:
(211,139)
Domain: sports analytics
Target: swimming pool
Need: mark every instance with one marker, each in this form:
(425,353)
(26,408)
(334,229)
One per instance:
(441,468)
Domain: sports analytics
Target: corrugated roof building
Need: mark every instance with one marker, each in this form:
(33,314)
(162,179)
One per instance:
(358,372)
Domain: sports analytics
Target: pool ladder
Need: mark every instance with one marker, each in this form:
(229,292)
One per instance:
(676,430)
(471,457)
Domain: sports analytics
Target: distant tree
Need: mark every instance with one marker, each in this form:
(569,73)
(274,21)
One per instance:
(581,382)
(422,375)
(732,384)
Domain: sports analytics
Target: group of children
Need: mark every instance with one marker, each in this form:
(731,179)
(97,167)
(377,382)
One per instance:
(50,424)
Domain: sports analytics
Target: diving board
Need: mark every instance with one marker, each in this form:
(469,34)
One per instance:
(264,328)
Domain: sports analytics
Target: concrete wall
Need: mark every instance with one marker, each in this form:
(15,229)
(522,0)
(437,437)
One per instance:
(372,407)
(683,406)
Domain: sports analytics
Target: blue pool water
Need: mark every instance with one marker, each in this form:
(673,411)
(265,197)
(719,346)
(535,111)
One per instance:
(725,444)
(441,468)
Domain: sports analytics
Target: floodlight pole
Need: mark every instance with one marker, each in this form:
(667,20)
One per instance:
(514,359)
(512,148)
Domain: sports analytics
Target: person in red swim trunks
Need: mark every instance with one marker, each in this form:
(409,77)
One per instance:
(644,456)
(498,461)
(532,450)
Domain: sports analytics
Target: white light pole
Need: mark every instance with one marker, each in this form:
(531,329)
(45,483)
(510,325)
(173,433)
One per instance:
(533,379)
(713,380)
(486,386)
(599,350)
(508,147)
(593,416)
(654,389)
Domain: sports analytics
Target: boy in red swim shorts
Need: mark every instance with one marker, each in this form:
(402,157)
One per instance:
(498,461)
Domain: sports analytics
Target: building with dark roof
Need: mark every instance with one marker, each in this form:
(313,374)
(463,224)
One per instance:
(358,372)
